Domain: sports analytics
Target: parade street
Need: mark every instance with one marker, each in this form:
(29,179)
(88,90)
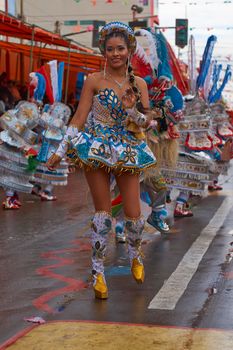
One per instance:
(187,295)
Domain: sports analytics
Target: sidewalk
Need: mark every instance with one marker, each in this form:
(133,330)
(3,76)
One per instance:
(117,336)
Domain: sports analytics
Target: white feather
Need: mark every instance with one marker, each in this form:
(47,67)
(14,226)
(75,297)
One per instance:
(140,52)
(152,46)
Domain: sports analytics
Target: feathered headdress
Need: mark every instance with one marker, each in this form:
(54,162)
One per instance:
(117,27)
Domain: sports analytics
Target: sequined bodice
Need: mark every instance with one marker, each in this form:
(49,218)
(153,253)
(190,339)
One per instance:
(107,109)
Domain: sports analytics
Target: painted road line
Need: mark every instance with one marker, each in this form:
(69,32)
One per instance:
(173,289)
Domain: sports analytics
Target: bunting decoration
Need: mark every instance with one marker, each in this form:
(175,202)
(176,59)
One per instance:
(195,3)
(163,29)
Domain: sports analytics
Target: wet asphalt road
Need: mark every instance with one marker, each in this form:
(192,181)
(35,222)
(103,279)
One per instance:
(45,265)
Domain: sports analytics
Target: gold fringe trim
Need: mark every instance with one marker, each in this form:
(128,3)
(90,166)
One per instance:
(119,169)
(134,219)
(103,212)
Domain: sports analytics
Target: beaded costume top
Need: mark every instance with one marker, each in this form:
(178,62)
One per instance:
(107,108)
(106,141)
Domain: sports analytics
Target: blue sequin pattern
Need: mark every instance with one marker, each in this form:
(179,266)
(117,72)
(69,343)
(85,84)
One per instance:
(105,140)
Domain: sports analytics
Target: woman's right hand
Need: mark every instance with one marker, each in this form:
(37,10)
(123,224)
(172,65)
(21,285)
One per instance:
(53,162)
(128,99)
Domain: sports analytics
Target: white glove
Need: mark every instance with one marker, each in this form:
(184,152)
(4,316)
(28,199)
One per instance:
(138,117)
(71,133)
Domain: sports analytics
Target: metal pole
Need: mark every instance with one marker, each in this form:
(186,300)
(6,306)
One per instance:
(31,50)
(22,10)
(6,12)
(39,58)
(67,74)
(151,12)
(21,14)
(179,53)
(6,7)
(31,55)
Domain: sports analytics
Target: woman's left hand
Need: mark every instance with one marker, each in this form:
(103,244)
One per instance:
(128,99)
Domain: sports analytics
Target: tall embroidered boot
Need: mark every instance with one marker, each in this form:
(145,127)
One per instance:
(134,229)
(101,226)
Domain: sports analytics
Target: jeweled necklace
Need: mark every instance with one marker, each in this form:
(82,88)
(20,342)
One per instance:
(120,85)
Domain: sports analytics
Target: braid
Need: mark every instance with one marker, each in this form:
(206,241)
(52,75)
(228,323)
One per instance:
(133,84)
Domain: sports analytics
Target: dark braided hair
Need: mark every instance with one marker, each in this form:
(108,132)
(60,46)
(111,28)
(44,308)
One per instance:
(134,87)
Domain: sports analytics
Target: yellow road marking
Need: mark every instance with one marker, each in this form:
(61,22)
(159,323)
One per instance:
(108,336)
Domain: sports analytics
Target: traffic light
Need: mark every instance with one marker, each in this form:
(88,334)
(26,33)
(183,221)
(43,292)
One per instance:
(181,32)
(97,25)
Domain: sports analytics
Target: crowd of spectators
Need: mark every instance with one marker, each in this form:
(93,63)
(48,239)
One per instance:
(10,93)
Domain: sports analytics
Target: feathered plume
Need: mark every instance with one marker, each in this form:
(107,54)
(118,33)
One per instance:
(216,70)
(164,68)
(206,60)
(140,52)
(153,56)
(207,84)
(60,76)
(37,86)
(142,63)
(217,96)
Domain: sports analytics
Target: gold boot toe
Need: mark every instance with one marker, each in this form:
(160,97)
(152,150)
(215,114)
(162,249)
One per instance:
(100,287)
(137,270)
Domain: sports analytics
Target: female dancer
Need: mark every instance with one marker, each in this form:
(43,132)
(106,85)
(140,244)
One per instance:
(105,136)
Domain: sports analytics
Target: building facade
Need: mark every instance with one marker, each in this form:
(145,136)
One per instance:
(77,16)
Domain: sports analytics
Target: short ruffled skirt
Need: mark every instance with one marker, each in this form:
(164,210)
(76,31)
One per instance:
(114,148)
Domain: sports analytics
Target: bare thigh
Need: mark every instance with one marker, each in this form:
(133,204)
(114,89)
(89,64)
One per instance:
(99,184)
(129,187)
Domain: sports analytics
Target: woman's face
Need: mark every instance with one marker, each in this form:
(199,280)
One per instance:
(116,52)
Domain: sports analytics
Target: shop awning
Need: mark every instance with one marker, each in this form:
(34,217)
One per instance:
(82,61)
(12,27)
